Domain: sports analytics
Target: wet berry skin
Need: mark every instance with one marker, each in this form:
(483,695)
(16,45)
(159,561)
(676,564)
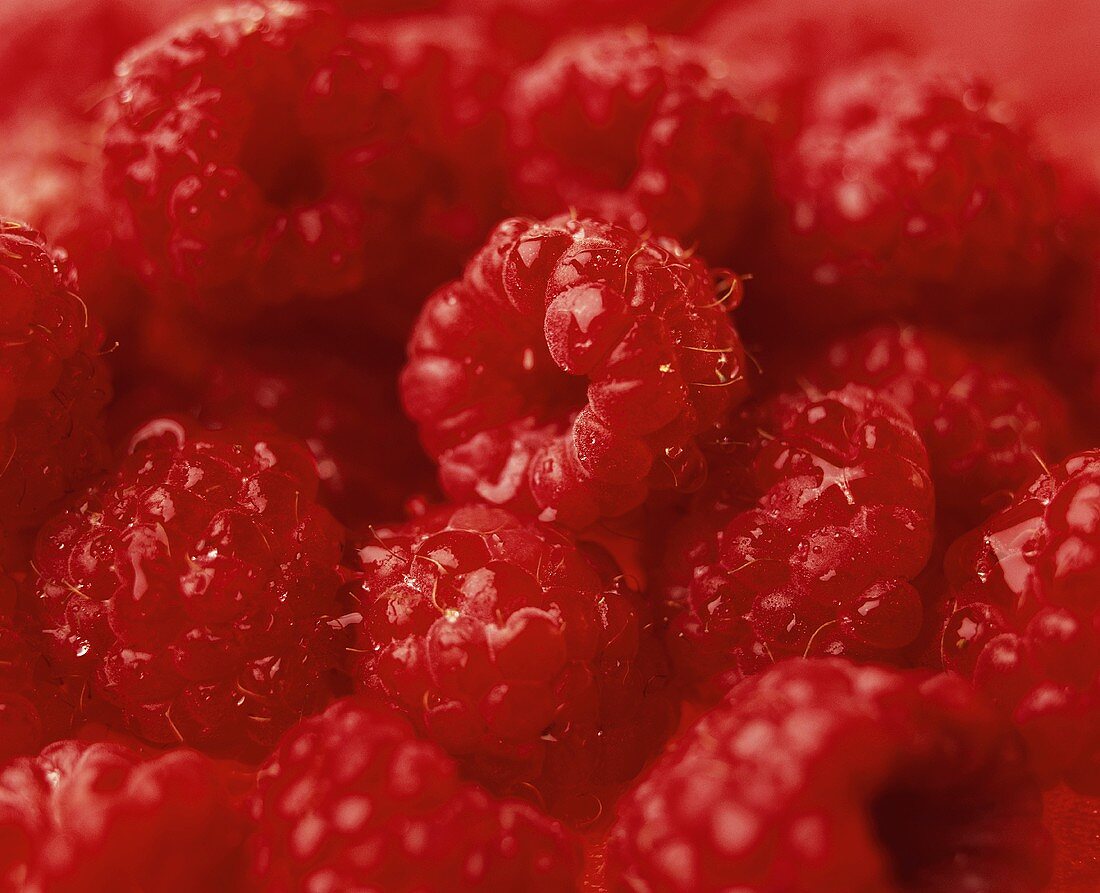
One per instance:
(190,593)
(1025,588)
(53,382)
(570,370)
(353,799)
(912,191)
(988,418)
(817,515)
(80,817)
(825,777)
(520,652)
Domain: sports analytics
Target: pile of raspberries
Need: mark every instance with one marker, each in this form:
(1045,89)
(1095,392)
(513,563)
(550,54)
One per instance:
(546,446)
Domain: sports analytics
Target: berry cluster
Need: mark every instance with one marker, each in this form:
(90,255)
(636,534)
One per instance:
(620,447)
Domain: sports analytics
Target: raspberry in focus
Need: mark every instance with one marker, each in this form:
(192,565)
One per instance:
(85,817)
(571,369)
(643,130)
(824,777)
(53,382)
(1025,588)
(352,799)
(194,590)
(525,657)
(989,420)
(817,515)
(913,190)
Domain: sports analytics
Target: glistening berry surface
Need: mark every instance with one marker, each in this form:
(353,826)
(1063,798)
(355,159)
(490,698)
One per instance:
(192,590)
(570,370)
(1025,588)
(989,419)
(817,514)
(527,659)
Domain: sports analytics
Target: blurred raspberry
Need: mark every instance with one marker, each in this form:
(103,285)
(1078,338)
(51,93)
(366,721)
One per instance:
(1026,592)
(266,157)
(570,370)
(193,589)
(50,177)
(644,131)
(352,799)
(912,191)
(988,419)
(501,640)
(53,384)
(57,54)
(817,515)
(95,817)
(822,777)
(777,51)
(524,29)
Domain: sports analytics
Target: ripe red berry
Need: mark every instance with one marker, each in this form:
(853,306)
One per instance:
(644,131)
(265,155)
(571,369)
(192,590)
(1025,627)
(988,419)
(912,191)
(53,384)
(352,800)
(524,659)
(823,777)
(85,817)
(817,515)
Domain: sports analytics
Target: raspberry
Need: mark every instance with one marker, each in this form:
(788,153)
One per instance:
(50,177)
(1025,627)
(524,659)
(86,817)
(988,419)
(190,590)
(912,191)
(570,369)
(33,709)
(54,384)
(265,155)
(821,776)
(353,800)
(641,130)
(818,513)
(779,51)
